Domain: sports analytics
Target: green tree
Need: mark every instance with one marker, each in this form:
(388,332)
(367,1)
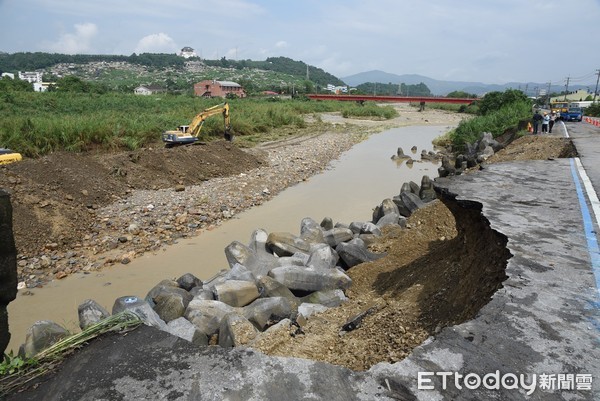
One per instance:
(461,95)
(8,84)
(496,100)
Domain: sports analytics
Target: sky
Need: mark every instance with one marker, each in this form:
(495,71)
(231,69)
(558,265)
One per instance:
(489,41)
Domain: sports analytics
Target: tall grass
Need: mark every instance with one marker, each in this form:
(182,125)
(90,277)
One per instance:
(496,122)
(38,123)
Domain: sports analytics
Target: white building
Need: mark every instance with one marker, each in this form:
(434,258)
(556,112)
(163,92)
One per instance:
(187,52)
(8,74)
(149,90)
(31,76)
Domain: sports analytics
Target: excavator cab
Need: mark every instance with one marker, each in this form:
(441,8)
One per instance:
(187,134)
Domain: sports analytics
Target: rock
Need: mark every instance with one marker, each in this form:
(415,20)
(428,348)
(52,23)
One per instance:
(158,288)
(171,303)
(269,287)
(327,223)
(413,149)
(258,243)
(399,154)
(306,310)
(41,335)
(207,315)
(360,227)
(141,309)
(235,331)
(446,168)
(310,231)
(414,188)
(387,206)
(237,272)
(183,328)
(286,244)
(390,219)
(259,263)
(236,293)
(426,192)
(310,278)
(329,298)
(405,188)
(266,311)
(411,201)
(179,188)
(355,252)
(336,235)
(133,229)
(90,312)
(202,293)
(404,211)
(322,257)
(189,281)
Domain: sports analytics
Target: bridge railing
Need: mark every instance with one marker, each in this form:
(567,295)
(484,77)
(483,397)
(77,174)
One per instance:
(392,99)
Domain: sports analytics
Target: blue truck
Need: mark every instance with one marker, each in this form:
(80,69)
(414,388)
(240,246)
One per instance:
(572,114)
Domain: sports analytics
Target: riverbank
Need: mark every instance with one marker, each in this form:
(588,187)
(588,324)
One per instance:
(82,212)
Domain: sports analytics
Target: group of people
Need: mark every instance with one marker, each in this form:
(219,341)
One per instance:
(546,120)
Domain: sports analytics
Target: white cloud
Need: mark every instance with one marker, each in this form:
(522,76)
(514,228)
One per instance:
(78,42)
(281,44)
(156,43)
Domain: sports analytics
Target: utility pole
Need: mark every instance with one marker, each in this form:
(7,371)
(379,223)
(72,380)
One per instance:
(567,88)
(596,90)
(307,74)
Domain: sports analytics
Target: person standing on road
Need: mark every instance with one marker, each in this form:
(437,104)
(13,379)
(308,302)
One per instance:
(537,118)
(552,120)
(545,122)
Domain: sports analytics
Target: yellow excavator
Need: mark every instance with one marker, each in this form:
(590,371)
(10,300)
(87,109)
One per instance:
(8,156)
(187,134)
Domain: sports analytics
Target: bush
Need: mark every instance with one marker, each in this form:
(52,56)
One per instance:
(593,110)
(496,122)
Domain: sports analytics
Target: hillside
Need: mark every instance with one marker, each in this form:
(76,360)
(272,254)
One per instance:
(123,73)
(441,88)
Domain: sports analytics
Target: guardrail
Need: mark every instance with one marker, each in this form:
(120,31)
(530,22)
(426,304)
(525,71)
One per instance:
(592,120)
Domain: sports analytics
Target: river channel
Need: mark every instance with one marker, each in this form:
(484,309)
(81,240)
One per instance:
(346,191)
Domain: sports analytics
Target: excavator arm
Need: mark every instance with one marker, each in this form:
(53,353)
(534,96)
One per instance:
(186,134)
(198,121)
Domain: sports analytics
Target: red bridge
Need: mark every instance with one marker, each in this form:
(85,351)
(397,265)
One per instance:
(394,99)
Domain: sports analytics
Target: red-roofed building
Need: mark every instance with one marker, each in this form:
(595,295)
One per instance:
(214,88)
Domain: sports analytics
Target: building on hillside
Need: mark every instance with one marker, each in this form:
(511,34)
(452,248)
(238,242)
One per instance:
(149,90)
(187,52)
(30,76)
(41,86)
(8,74)
(214,88)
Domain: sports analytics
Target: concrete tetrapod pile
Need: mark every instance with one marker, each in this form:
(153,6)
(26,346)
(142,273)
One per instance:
(276,282)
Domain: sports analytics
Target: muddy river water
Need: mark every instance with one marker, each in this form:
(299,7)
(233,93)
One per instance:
(347,191)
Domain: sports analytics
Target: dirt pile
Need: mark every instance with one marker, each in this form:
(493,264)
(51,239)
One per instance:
(55,198)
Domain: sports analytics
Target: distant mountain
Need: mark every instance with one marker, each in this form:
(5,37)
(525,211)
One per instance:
(441,88)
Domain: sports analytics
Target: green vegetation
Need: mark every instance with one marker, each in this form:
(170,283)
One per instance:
(461,95)
(34,123)
(498,112)
(593,110)
(176,74)
(16,371)
(390,89)
(369,109)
